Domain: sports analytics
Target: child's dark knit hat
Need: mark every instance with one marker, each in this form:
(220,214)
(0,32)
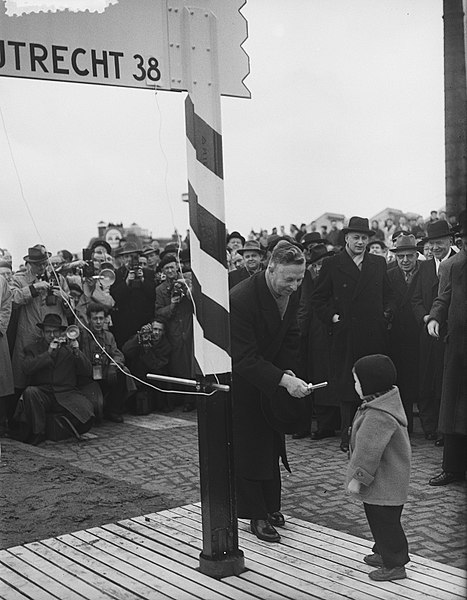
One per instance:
(376,373)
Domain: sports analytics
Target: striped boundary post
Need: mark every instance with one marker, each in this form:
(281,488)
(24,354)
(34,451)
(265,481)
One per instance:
(207,242)
(220,556)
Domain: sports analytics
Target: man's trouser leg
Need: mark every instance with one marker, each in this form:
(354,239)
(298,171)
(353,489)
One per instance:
(32,408)
(348,410)
(455,454)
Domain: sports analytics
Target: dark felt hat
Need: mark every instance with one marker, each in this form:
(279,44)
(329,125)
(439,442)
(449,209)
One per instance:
(237,235)
(405,242)
(166,260)
(37,254)
(376,373)
(52,320)
(437,229)
(149,250)
(318,252)
(251,246)
(102,243)
(358,225)
(283,412)
(379,242)
(314,237)
(128,248)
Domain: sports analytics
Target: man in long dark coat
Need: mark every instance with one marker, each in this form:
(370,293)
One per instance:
(451,306)
(265,345)
(134,292)
(352,297)
(431,348)
(54,371)
(404,332)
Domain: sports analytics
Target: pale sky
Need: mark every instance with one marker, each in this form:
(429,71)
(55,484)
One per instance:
(346,115)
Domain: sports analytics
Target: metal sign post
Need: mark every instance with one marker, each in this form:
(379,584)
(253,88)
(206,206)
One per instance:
(168,45)
(220,556)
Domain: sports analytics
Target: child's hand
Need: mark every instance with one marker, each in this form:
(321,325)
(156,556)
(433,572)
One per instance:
(353,487)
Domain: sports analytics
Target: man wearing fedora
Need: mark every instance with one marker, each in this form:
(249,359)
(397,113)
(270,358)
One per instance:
(54,369)
(450,307)
(353,298)
(252,255)
(134,292)
(34,297)
(404,334)
(265,354)
(431,349)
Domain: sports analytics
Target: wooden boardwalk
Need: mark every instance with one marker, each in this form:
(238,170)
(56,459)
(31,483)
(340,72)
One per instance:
(156,556)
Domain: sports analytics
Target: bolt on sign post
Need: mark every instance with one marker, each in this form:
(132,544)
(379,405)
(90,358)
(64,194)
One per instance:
(169,45)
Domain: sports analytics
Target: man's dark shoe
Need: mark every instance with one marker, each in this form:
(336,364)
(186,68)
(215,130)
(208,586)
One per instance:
(446,477)
(321,434)
(276,519)
(344,446)
(439,442)
(115,418)
(300,435)
(374,560)
(384,574)
(264,530)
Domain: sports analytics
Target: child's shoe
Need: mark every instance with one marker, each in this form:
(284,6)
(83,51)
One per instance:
(385,574)
(374,560)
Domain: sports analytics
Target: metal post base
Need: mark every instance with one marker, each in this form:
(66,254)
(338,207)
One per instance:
(218,569)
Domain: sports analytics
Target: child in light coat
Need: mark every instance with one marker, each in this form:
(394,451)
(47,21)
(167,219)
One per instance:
(379,469)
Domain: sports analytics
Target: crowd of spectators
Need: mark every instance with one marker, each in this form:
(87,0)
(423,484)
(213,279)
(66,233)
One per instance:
(78,335)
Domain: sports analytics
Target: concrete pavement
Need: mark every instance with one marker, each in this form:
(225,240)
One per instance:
(159,453)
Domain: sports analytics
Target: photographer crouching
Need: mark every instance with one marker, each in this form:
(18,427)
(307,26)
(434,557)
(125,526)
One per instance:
(53,367)
(106,359)
(148,351)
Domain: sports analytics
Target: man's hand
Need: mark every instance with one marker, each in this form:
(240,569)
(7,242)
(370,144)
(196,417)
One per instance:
(295,386)
(433,328)
(353,487)
(74,347)
(41,286)
(336,318)
(130,277)
(53,347)
(175,299)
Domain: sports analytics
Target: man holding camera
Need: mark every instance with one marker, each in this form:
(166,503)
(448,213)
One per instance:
(34,297)
(108,364)
(54,367)
(134,294)
(148,352)
(175,307)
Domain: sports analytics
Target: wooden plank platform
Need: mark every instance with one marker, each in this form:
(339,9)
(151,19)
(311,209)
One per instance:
(156,556)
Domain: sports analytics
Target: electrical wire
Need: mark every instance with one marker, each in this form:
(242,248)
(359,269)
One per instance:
(63,292)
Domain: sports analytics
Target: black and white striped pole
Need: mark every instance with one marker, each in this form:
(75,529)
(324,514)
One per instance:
(220,556)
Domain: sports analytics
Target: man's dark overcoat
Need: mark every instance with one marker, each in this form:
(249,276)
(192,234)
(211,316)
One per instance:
(451,306)
(360,298)
(263,347)
(60,375)
(431,349)
(134,304)
(315,346)
(404,340)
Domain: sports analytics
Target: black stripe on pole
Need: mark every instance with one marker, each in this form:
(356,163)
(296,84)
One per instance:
(204,139)
(209,230)
(213,318)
